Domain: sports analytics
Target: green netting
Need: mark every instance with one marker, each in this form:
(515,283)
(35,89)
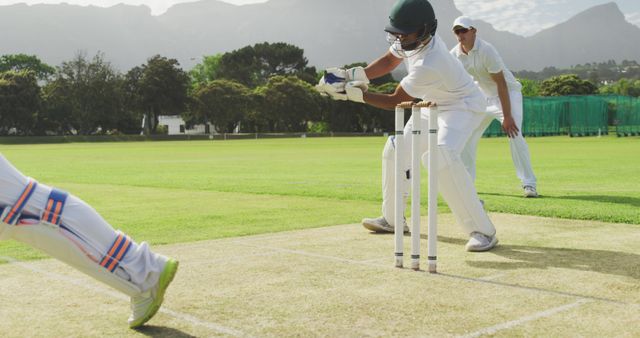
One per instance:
(494,129)
(544,116)
(577,116)
(626,114)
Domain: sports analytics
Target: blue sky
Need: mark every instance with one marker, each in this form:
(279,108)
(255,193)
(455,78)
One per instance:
(524,17)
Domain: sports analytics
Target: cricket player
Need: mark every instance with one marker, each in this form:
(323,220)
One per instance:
(504,99)
(66,228)
(434,76)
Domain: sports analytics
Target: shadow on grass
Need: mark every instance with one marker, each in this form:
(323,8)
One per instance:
(632,201)
(536,257)
(161,331)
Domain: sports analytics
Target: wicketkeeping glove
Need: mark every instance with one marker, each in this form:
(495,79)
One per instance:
(333,81)
(354,90)
(356,74)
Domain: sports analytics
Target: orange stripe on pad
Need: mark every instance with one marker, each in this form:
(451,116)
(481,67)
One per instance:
(120,254)
(24,195)
(47,209)
(112,250)
(56,213)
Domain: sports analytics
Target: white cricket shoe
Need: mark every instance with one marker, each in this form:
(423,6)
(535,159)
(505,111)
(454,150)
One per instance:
(380,224)
(481,242)
(530,191)
(145,305)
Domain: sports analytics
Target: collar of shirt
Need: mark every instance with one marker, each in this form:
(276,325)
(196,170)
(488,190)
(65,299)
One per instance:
(476,47)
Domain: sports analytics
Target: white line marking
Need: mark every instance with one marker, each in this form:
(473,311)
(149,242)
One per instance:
(308,254)
(78,282)
(232,259)
(492,277)
(196,321)
(484,280)
(543,314)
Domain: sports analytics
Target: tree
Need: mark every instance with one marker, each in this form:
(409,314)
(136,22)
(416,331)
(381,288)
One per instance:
(205,72)
(254,65)
(20,62)
(286,103)
(85,96)
(19,101)
(221,102)
(569,84)
(159,87)
(622,87)
(530,87)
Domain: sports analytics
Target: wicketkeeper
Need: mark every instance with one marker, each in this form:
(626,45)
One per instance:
(66,228)
(435,76)
(504,98)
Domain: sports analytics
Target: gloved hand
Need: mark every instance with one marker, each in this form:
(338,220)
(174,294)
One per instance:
(333,81)
(356,74)
(355,91)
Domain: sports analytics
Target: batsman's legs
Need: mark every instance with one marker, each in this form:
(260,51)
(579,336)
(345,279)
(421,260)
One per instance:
(85,241)
(389,178)
(454,181)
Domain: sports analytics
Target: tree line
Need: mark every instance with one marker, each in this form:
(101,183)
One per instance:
(267,87)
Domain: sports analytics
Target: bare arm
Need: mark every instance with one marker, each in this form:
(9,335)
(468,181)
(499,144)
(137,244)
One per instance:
(509,124)
(382,66)
(387,101)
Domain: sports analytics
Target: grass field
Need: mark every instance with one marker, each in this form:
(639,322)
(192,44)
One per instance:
(169,192)
(269,242)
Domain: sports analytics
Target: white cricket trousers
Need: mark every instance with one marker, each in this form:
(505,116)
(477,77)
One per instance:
(519,148)
(455,129)
(83,240)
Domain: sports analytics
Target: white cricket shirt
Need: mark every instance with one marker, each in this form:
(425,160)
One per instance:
(434,75)
(481,61)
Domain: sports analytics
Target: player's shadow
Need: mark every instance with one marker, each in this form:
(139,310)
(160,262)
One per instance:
(539,257)
(162,331)
(633,201)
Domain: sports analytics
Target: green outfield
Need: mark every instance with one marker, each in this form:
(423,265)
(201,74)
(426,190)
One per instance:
(269,242)
(169,192)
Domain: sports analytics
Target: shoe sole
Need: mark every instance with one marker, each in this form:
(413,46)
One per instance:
(378,229)
(494,242)
(166,277)
(374,227)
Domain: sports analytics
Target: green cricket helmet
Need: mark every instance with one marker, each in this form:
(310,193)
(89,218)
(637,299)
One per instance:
(409,16)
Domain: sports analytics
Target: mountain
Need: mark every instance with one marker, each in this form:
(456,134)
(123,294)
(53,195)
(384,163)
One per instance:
(332,32)
(600,33)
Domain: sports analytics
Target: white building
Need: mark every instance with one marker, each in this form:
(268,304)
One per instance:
(176,126)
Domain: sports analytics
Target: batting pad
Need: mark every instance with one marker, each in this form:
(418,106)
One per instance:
(388,179)
(457,189)
(59,243)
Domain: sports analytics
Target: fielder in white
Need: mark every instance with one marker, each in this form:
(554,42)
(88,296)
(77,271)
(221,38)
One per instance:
(504,99)
(434,76)
(66,228)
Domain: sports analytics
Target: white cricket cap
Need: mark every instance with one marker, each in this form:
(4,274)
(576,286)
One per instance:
(463,22)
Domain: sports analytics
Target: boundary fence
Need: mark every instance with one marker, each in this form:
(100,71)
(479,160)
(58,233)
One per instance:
(589,115)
